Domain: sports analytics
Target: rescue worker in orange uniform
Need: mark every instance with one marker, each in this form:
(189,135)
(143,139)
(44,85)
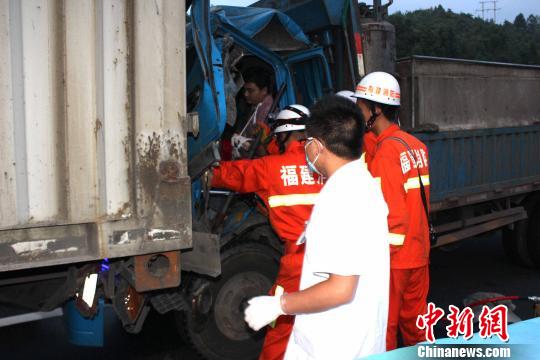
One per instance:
(288,189)
(400,161)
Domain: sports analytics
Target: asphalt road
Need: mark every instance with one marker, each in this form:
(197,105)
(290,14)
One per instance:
(476,265)
(479,265)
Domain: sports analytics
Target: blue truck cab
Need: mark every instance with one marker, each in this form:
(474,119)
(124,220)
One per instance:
(238,257)
(484,163)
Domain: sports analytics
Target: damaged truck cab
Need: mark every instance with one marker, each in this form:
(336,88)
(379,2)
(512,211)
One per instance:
(484,147)
(242,250)
(111,114)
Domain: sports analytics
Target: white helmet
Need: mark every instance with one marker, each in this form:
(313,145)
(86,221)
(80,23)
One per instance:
(379,87)
(291,118)
(347,94)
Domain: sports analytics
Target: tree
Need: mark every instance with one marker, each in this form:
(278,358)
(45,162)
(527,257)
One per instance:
(532,23)
(439,32)
(520,22)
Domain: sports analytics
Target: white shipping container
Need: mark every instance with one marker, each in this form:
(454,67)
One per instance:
(93,124)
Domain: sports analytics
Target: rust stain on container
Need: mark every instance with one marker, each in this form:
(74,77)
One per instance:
(148,151)
(162,183)
(98,127)
(124,211)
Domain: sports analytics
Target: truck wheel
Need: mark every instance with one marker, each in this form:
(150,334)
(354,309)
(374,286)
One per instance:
(515,243)
(214,324)
(522,244)
(533,235)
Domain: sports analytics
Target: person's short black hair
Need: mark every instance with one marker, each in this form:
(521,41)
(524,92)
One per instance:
(339,123)
(260,77)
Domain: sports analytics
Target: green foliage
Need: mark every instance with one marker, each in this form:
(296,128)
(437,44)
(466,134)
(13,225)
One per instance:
(443,33)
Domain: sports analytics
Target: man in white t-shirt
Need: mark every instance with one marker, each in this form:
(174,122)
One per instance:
(342,306)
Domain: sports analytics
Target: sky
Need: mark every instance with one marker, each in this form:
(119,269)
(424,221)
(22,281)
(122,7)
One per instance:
(509,9)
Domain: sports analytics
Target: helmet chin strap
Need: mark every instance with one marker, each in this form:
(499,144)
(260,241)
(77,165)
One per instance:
(281,144)
(372,118)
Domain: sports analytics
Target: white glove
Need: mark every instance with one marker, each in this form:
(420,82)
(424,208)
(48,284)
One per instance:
(239,141)
(262,310)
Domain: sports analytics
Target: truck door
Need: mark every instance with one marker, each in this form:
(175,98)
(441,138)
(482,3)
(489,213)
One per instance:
(205,85)
(311,75)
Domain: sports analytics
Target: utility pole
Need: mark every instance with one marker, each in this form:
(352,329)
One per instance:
(483,9)
(495,8)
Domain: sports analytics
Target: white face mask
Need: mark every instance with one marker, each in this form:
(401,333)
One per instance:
(310,164)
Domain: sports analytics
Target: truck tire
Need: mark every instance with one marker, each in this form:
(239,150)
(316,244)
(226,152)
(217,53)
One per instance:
(214,325)
(533,234)
(515,243)
(522,244)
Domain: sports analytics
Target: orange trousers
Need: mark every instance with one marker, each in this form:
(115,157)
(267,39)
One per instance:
(277,337)
(408,295)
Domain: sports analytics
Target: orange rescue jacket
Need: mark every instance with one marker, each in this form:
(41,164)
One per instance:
(398,170)
(283,182)
(288,189)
